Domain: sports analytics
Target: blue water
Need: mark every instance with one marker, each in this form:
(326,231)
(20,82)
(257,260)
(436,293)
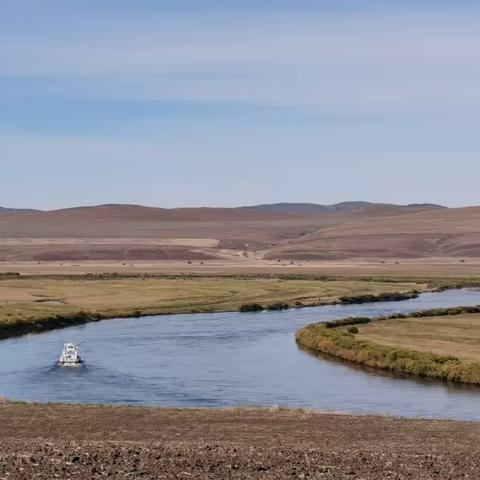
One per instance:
(226,359)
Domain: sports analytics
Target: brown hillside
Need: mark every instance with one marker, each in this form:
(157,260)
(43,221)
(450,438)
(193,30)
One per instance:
(445,232)
(131,232)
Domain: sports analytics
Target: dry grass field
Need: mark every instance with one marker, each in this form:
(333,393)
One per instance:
(438,343)
(392,268)
(29,298)
(457,335)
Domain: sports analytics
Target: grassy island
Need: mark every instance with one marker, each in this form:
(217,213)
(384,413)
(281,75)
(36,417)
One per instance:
(442,344)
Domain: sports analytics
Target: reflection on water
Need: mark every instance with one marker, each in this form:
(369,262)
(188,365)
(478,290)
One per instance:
(448,385)
(225,359)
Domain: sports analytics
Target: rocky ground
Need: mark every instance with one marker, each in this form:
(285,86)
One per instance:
(74,442)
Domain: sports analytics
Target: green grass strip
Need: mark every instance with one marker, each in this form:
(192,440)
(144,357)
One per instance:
(330,340)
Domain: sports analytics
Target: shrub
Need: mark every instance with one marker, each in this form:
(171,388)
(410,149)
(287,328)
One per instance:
(9,274)
(434,312)
(352,329)
(382,297)
(347,321)
(278,306)
(251,307)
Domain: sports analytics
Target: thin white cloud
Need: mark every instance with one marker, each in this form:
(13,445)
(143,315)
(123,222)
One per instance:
(415,73)
(327,60)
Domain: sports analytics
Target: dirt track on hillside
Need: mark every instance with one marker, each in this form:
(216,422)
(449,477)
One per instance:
(54,441)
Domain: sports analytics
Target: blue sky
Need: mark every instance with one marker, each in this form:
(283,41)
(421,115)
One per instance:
(225,103)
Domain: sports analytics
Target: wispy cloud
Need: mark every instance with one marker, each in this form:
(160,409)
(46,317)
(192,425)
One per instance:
(295,59)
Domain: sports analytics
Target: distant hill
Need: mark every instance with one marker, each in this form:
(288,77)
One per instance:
(279,231)
(314,208)
(453,232)
(140,211)
(17,210)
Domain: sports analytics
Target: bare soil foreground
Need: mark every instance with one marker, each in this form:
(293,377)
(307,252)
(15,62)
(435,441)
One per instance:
(80,442)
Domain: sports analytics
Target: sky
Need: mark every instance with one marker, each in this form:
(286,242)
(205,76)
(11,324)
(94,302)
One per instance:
(224,103)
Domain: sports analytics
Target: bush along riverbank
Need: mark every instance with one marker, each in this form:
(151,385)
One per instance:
(344,300)
(328,338)
(381,297)
(22,325)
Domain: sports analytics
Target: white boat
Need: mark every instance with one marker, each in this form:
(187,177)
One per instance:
(70,356)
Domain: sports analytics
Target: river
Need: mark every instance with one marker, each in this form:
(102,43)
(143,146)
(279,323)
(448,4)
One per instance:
(226,359)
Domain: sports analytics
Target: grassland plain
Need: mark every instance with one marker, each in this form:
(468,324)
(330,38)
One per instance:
(238,265)
(440,343)
(35,303)
(457,335)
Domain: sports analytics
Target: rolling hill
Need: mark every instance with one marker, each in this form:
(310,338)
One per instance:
(422,233)
(314,208)
(17,210)
(278,231)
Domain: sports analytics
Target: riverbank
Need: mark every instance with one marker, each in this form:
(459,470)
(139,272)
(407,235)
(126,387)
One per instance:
(49,441)
(39,303)
(439,343)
